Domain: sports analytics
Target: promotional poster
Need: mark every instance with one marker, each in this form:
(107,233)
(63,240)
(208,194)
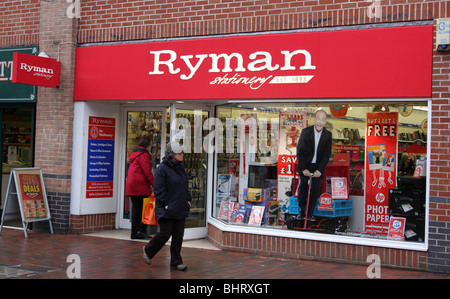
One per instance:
(291,126)
(381,171)
(33,201)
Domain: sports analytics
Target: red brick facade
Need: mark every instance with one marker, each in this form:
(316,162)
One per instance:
(46,23)
(82,224)
(314,250)
(19,23)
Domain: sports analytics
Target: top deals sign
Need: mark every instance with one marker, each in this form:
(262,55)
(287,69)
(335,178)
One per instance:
(324,64)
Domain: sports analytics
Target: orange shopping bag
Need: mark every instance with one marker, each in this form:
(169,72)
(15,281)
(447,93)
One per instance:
(148,211)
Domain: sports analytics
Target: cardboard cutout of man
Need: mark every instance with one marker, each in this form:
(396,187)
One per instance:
(313,154)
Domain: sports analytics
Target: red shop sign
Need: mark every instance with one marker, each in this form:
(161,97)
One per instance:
(324,64)
(36,70)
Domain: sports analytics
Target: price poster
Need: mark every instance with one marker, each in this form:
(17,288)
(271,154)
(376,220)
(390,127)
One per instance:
(292,122)
(381,172)
(339,188)
(33,202)
(27,186)
(397,229)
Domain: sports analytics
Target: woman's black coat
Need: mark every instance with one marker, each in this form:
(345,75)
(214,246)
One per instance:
(171,190)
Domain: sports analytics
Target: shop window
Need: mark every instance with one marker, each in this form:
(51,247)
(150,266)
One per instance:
(17,138)
(373,186)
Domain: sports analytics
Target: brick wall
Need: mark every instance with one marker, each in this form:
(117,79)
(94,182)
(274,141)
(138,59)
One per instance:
(54,111)
(139,19)
(91,223)
(439,223)
(19,22)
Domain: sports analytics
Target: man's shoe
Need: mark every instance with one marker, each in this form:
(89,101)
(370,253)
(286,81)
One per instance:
(312,218)
(147,260)
(179,267)
(300,217)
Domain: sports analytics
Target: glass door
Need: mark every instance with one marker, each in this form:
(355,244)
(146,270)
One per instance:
(186,128)
(140,123)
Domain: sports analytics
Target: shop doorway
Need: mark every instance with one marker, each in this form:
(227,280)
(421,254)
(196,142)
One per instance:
(140,122)
(157,123)
(16,151)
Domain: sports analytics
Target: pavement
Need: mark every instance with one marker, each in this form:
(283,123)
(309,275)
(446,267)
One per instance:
(112,255)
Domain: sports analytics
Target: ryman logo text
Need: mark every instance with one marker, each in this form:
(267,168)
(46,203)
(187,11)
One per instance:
(257,61)
(39,71)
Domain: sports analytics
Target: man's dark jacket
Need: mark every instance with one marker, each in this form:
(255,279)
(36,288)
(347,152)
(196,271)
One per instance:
(306,147)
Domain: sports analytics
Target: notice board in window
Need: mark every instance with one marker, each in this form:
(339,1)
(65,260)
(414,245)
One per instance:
(27,186)
(100,162)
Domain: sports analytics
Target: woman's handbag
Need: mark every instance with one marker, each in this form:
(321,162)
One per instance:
(148,211)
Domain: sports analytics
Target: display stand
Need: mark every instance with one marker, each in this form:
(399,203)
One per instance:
(27,185)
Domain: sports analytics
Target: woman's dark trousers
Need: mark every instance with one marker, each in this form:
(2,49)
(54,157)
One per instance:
(168,228)
(137,226)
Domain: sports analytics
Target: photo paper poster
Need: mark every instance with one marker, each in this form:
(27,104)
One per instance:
(381,170)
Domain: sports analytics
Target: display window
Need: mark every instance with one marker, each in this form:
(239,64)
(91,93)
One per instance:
(366,167)
(17,138)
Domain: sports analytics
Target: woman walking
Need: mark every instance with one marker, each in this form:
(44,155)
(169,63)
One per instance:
(139,185)
(173,202)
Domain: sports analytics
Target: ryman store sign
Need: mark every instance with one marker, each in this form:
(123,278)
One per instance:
(36,70)
(364,63)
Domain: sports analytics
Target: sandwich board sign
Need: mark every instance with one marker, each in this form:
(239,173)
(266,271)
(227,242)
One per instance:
(27,186)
